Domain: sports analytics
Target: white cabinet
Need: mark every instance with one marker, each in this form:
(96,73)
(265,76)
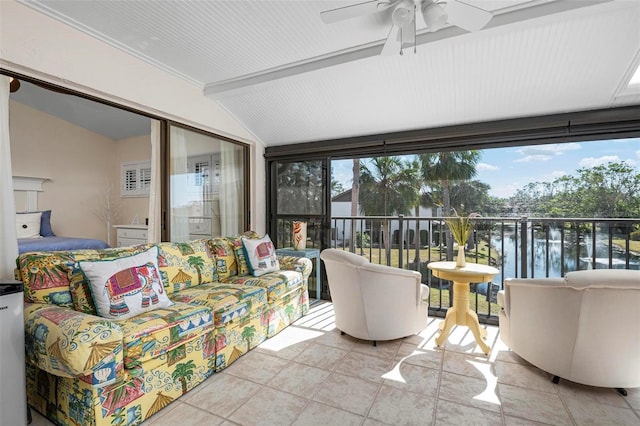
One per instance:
(130,235)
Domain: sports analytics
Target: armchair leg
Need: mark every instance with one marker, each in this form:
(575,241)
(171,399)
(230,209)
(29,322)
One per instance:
(622,391)
(375,343)
(342,333)
(556,379)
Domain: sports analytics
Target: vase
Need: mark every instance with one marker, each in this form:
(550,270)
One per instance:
(299,235)
(461,262)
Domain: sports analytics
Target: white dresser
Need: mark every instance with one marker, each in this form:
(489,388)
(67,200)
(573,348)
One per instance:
(130,235)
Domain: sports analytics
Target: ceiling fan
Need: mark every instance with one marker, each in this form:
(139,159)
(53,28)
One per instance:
(436,15)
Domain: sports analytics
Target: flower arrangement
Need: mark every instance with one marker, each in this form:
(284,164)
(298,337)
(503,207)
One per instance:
(461,228)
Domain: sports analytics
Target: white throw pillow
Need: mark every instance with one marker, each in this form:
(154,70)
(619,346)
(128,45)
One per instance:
(127,286)
(28,225)
(261,255)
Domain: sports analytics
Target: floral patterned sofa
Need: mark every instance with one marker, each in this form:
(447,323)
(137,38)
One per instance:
(85,369)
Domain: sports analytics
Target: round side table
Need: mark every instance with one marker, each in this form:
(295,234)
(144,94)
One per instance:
(460,313)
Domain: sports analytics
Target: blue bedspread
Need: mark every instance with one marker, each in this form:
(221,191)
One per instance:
(58,243)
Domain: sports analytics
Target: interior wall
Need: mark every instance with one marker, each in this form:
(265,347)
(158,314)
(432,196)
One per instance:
(77,162)
(59,54)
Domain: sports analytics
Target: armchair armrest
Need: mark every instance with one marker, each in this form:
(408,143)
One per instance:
(295,263)
(69,343)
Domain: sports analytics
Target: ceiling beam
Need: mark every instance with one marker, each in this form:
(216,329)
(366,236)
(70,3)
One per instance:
(544,8)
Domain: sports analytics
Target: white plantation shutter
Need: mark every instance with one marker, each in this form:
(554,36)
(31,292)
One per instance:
(145,179)
(136,179)
(130,181)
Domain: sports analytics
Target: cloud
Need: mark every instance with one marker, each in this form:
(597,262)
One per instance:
(537,157)
(593,162)
(505,191)
(485,166)
(553,149)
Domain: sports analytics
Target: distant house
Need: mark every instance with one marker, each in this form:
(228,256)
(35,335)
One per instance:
(341,224)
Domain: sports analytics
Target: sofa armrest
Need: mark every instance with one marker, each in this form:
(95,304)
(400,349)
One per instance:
(69,343)
(295,263)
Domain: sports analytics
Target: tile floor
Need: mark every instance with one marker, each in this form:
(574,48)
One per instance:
(311,375)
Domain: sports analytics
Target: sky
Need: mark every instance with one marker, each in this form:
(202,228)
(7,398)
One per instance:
(508,169)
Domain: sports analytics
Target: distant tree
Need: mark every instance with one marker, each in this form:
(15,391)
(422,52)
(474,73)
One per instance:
(336,187)
(611,190)
(468,197)
(388,186)
(355,195)
(444,169)
(300,187)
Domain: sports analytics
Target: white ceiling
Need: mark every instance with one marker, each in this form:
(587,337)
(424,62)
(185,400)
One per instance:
(114,123)
(288,77)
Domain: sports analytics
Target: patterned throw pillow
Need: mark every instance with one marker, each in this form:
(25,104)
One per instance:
(185,264)
(79,287)
(261,255)
(45,277)
(223,252)
(127,286)
(238,248)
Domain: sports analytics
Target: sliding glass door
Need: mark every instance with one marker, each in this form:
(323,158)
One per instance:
(298,192)
(207,186)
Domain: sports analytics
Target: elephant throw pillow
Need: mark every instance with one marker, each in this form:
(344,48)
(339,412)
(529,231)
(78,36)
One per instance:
(127,286)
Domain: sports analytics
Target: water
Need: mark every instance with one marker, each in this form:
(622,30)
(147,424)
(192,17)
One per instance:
(548,256)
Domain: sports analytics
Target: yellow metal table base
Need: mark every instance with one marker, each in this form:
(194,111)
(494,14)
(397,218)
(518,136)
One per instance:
(460,313)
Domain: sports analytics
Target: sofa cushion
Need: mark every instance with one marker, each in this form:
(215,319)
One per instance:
(227,301)
(276,284)
(261,255)
(158,332)
(185,265)
(127,286)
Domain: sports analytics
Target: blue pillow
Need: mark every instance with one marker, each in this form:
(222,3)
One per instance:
(45,224)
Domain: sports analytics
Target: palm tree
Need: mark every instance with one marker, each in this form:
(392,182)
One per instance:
(289,310)
(247,334)
(389,186)
(445,167)
(182,373)
(198,263)
(355,194)
(419,202)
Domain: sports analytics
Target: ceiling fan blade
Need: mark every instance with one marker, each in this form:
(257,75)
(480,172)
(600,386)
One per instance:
(353,11)
(393,45)
(466,16)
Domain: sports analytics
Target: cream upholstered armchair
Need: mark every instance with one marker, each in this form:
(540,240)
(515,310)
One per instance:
(584,328)
(374,302)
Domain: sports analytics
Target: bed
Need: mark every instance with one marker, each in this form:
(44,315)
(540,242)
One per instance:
(33,226)
(58,243)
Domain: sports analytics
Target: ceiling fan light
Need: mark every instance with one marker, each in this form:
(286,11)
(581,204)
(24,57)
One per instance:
(402,13)
(434,15)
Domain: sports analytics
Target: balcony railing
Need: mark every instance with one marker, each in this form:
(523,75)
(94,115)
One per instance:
(517,247)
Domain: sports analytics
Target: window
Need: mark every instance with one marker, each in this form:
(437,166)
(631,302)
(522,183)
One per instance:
(136,179)
(208,195)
